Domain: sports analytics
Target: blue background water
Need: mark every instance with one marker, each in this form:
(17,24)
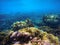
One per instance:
(13,6)
(13,10)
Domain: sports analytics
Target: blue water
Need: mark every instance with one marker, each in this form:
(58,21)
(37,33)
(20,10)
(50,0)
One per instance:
(13,6)
(16,10)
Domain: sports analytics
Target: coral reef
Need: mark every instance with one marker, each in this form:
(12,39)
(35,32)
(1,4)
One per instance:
(30,36)
(2,35)
(51,20)
(54,31)
(22,24)
(26,33)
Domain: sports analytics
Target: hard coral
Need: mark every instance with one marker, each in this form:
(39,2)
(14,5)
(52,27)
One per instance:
(52,20)
(18,25)
(31,36)
(22,24)
(2,35)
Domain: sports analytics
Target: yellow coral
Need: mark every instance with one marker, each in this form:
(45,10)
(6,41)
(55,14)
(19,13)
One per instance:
(53,39)
(44,36)
(37,33)
(31,30)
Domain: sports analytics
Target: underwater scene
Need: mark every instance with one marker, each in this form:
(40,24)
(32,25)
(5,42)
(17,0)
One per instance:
(29,22)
